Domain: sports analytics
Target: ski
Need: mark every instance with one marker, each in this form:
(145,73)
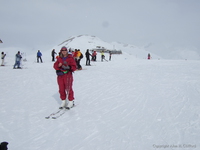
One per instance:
(52,114)
(59,113)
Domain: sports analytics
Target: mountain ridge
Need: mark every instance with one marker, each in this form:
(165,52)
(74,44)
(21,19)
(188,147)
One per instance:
(84,42)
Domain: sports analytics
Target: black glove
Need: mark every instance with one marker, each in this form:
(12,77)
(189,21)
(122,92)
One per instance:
(59,72)
(66,67)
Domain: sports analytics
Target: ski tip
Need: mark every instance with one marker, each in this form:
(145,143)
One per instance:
(47,117)
(53,117)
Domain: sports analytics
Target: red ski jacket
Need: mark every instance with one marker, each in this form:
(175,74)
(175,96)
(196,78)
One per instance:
(68,62)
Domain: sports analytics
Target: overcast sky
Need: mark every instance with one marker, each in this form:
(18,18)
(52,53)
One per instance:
(45,23)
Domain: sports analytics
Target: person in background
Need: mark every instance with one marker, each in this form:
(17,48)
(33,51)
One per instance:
(103,56)
(110,54)
(65,65)
(94,56)
(53,53)
(2,58)
(39,56)
(18,58)
(87,55)
(73,53)
(76,57)
(149,56)
(70,52)
(79,57)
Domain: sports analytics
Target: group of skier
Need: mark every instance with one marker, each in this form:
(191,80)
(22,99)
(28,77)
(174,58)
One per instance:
(77,55)
(18,58)
(65,64)
(93,55)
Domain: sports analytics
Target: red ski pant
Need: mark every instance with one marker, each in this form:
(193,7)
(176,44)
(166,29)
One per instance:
(65,86)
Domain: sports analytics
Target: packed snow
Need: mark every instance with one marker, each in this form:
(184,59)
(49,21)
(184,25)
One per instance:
(128,103)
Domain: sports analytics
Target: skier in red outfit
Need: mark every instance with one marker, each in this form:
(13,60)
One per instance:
(64,67)
(149,56)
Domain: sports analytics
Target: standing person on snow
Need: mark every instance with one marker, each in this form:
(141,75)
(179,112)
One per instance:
(79,57)
(2,58)
(87,55)
(94,56)
(53,53)
(103,56)
(39,56)
(64,67)
(76,57)
(149,56)
(18,58)
(110,54)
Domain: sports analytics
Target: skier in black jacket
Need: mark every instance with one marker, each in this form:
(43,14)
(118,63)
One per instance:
(87,55)
(53,53)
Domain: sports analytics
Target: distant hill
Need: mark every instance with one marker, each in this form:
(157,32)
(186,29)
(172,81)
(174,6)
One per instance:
(84,42)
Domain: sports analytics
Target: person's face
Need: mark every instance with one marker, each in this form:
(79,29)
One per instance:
(64,51)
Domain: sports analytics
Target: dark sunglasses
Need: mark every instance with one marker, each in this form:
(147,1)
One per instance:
(63,50)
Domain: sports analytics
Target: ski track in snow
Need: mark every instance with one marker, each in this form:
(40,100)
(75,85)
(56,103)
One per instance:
(126,103)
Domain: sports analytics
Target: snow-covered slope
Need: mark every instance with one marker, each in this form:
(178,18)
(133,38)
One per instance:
(184,53)
(137,52)
(123,104)
(84,42)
